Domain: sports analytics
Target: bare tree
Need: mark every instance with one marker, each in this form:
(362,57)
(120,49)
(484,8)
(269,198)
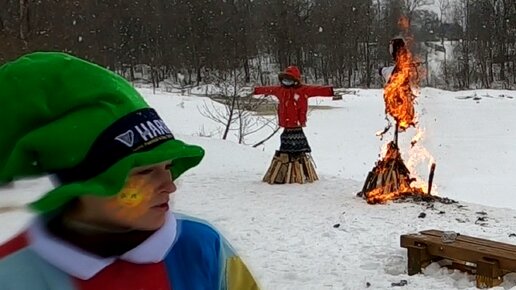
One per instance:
(24,20)
(444,6)
(238,112)
(249,122)
(412,5)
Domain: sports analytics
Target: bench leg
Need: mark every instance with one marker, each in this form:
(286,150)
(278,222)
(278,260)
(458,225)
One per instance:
(417,257)
(488,274)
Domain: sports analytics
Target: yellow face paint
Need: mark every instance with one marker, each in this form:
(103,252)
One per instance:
(130,197)
(134,192)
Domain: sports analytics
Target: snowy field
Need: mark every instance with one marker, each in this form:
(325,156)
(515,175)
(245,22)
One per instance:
(320,235)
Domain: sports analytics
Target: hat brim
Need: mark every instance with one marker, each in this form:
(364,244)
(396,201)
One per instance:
(284,75)
(111,181)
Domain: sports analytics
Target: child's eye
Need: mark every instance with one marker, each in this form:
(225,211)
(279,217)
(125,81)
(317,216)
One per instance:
(144,172)
(168,166)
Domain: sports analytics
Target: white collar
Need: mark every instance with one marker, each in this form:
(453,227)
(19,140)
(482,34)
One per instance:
(84,265)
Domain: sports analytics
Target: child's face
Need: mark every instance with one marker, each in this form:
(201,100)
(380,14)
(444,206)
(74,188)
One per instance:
(142,204)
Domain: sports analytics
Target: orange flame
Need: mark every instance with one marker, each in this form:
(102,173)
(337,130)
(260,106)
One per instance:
(404,23)
(396,183)
(398,95)
(382,195)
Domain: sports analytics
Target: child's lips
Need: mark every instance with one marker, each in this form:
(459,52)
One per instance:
(162,206)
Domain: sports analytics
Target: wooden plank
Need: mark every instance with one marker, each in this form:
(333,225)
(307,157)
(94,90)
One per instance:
(313,173)
(267,177)
(365,188)
(295,174)
(473,240)
(460,250)
(310,171)
(275,171)
(289,173)
(282,173)
(284,157)
(304,166)
(301,175)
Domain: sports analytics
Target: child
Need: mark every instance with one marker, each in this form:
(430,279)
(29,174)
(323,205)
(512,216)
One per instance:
(106,224)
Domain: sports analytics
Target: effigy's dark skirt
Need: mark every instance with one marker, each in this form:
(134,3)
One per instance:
(293,140)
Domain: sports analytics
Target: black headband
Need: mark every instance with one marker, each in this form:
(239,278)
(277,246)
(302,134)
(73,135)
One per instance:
(138,131)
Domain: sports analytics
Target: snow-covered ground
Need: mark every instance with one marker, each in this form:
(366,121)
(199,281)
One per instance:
(320,235)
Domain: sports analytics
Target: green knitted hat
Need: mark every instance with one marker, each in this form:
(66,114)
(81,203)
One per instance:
(84,125)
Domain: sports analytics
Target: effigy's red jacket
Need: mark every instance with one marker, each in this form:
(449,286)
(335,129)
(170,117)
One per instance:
(293,101)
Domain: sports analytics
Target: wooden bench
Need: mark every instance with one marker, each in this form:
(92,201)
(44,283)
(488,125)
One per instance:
(488,260)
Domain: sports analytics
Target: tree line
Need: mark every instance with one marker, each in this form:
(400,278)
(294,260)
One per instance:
(333,41)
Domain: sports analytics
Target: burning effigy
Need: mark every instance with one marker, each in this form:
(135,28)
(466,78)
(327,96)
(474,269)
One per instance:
(390,178)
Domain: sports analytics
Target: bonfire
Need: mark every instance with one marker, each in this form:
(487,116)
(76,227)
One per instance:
(390,179)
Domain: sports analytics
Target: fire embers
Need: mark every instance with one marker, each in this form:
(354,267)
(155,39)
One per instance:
(389,179)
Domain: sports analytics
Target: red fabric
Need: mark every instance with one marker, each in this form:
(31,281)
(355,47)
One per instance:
(120,275)
(294,72)
(123,275)
(292,112)
(15,244)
